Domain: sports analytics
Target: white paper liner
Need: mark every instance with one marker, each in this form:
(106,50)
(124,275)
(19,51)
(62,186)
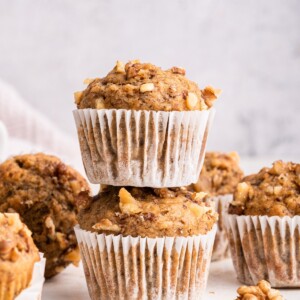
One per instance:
(143,148)
(118,267)
(34,291)
(265,247)
(221,245)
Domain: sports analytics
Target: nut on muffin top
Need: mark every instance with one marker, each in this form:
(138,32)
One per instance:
(273,191)
(147,212)
(220,173)
(144,86)
(15,239)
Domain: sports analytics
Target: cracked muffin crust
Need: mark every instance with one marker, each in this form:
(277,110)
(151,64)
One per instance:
(220,173)
(144,86)
(146,212)
(273,191)
(18,254)
(43,190)
(262,291)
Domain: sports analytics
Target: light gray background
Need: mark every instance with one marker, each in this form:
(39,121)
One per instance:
(250,49)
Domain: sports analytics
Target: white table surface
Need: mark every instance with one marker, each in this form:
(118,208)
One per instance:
(222,285)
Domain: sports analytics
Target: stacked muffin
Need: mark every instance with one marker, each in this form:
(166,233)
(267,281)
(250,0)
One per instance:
(142,132)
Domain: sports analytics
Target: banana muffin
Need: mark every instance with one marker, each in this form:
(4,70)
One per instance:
(219,177)
(264,226)
(143,126)
(18,255)
(144,86)
(262,291)
(43,190)
(141,243)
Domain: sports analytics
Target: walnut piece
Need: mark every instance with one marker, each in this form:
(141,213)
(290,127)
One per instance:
(192,101)
(120,67)
(146,87)
(107,225)
(128,204)
(177,70)
(262,291)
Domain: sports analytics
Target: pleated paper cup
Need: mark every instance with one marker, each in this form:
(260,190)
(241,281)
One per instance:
(143,148)
(27,284)
(221,245)
(119,267)
(34,290)
(266,248)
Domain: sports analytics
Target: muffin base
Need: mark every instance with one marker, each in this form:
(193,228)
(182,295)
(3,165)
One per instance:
(118,267)
(266,248)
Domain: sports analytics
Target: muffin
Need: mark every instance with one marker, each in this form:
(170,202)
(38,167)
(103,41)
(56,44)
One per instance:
(43,190)
(264,224)
(262,291)
(18,255)
(219,177)
(143,126)
(139,243)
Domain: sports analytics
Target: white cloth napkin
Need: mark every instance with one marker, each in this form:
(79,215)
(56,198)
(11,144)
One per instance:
(31,131)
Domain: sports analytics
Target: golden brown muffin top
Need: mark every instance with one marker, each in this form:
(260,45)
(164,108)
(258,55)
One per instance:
(147,212)
(220,173)
(15,239)
(273,191)
(143,86)
(262,291)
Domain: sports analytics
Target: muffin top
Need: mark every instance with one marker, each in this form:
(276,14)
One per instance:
(273,192)
(262,291)
(220,173)
(43,190)
(143,86)
(15,240)
(147,212)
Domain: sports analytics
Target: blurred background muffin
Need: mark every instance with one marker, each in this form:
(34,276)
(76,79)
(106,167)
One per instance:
(264,226)
(18,254)
(143,126)
(219,177)
(43,190)
(162,242)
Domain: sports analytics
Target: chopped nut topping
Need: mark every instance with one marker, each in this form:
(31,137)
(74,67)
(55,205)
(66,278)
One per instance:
(78,97)
(73,256)
(88,80)
(50,225)
(120,67)
(177,70)
(242,192)
(100,104)
(262,291)
(199,196)
(107,225)
(146,87)
(192,101)
(127,203)
(198,210)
